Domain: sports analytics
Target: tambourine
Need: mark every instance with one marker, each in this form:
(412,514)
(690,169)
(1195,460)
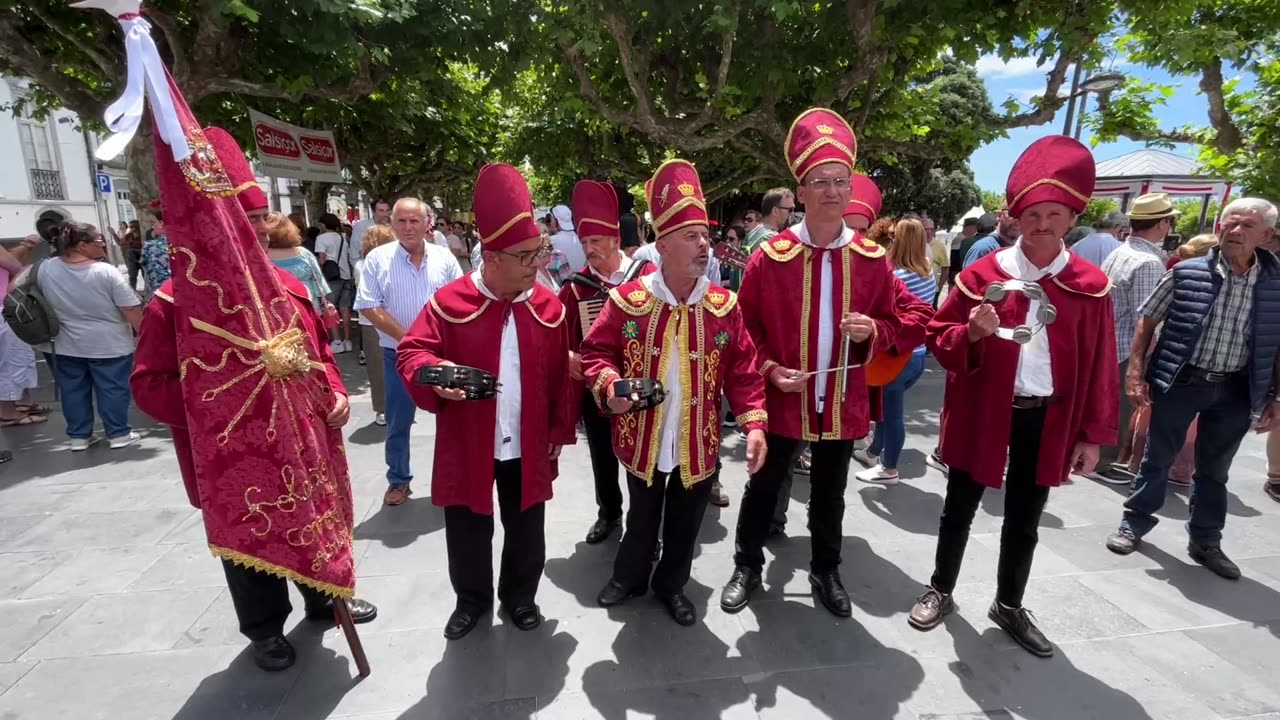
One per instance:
(476,383)
(1045,314)
(644,393)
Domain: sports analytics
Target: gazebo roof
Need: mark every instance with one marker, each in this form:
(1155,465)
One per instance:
(1148,163)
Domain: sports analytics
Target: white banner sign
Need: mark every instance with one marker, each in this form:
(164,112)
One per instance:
(291,151)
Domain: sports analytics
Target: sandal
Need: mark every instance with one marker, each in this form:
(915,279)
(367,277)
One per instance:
(32,419)
(32,409)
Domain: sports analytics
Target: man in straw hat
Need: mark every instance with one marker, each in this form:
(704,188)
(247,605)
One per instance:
(818,300)
(676,327)
(498,319)
(1134,268)
(1215,358)
(1041,405)
(596,210)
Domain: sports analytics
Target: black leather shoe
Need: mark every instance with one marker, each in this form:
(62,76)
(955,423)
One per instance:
(680,608)
(525,617)
(832,593)
(601,531)
(1020,624)
(615,593)
(737,592)
(1214,559)
(362,611)
(273,654)
(462,621)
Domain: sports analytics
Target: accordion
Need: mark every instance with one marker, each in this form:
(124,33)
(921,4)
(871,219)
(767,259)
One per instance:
(588,311)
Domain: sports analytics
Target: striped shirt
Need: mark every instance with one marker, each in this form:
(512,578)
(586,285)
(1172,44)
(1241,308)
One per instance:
(924,288)
(390,281)
(1134,268)
(1224,343)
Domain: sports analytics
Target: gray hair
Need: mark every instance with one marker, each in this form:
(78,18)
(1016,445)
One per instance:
(1254,205)
(1114,219)
(411,204)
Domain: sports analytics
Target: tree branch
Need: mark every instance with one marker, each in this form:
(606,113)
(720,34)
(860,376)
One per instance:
(710,113)
(1228,138)
(867,56)
(1049,102)
(173,39)
(110,66)
(24,59)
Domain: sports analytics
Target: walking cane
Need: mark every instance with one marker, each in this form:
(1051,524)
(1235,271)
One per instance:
(343,615)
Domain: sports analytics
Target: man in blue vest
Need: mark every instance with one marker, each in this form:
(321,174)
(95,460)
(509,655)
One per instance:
(1216,358)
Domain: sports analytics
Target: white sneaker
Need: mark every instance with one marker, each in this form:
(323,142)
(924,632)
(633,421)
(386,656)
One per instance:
(866,458)
(347,346)
(877,476)
(380,419)
(82,444)
(338,347)
(125,441)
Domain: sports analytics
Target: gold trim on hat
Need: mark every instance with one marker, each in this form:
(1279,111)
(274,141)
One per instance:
(865,205)
(1050,181)
(818,145)
(786,146)
(602,223)
(510,224)
(680,205)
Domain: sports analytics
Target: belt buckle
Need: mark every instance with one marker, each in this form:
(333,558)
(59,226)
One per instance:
(1216,377)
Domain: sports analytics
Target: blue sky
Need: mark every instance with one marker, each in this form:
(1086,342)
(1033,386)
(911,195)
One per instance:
(1020,78)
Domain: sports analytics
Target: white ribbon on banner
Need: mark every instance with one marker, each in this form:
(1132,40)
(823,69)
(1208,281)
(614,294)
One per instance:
(146,77)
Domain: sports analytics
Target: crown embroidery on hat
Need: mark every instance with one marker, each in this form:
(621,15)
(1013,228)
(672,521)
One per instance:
(826,129)
(685,189)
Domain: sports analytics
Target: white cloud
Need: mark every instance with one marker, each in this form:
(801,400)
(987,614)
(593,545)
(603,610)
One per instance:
(992,67)
(1025,95)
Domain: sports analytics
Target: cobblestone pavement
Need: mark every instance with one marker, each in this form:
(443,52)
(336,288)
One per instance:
(111,607)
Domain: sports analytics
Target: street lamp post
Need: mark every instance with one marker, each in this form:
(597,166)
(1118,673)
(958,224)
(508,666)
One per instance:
(1097,84)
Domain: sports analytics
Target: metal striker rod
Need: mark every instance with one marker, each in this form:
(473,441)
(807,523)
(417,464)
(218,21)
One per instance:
(342,612)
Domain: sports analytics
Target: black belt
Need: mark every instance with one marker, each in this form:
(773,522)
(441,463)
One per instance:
(1190,372)
(1031,402)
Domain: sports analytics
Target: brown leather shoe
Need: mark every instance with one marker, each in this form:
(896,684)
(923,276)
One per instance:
(930,609)
(397,494)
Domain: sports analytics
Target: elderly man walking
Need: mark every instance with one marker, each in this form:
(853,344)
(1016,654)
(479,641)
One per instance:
(1096,248)
(1215,358)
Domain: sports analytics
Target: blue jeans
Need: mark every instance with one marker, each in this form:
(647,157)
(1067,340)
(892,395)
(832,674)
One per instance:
(80,380)
(891,433)
(400,414)
(1224,419)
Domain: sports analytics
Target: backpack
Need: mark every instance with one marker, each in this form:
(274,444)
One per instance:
(27,312)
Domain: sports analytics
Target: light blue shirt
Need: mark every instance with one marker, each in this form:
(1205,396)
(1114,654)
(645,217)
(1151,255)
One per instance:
(1095,248)
(650,252)
(390,281)
(981,249)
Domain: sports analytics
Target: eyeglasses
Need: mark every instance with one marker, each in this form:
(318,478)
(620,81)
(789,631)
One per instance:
(530,257)
(788,209)
(825,184)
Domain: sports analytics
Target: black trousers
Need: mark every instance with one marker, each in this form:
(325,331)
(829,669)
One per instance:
(678,511)
(1023,502)
(262,600)
(828,476)
(604,463)
(784,494)
(469,538)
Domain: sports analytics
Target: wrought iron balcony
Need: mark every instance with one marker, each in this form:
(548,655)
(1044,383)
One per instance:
(47,185)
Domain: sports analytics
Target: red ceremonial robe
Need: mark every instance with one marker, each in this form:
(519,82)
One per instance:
(778,296)
(156,370)
(977,408)
(573,293)
(638,336)
(464,326)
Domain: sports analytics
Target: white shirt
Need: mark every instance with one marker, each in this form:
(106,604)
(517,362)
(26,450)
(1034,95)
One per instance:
(506,431)
(650,252)
(618,275)
(673,407)
(1035,370)
(334,247)
(567,242)
(827,319)
(439,239)
(389,280)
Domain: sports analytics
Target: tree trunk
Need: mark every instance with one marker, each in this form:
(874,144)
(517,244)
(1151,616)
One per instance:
(316,196)
(140,164)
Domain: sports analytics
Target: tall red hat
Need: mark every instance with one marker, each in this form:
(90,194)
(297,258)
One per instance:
(819,136)
(595,209)
(244,184)
(866,199)
(675,197)
(1054,169)
(503,207)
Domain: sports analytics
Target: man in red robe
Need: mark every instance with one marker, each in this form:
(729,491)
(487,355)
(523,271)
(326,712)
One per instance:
(501,320)
(677,327)
(818,300)
(596,212)
(260,597)
(1044,406)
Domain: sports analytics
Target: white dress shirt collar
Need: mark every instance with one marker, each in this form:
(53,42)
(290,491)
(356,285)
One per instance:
(802,232)
(618,275)
(484,289)
(1016,265)
(658,286)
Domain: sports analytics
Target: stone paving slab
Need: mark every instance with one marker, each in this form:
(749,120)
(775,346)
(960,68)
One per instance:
(112,607)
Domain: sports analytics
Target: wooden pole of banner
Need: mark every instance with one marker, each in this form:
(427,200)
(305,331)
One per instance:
(343,615)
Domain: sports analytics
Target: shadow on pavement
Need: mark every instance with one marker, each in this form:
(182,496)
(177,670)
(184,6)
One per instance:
(397,527)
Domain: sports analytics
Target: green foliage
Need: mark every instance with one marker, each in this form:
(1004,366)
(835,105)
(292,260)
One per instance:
(944,193)
(1096,210)
(992,201)
(1187,223)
